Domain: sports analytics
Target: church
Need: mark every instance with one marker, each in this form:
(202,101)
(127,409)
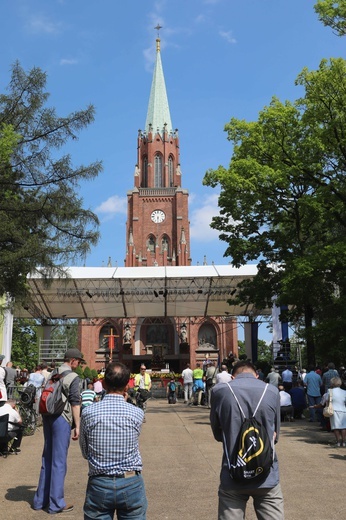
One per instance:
(157,234)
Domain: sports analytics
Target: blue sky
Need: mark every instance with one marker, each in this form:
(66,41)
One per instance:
(221,59)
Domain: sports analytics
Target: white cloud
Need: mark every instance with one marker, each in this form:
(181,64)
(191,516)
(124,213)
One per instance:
(113,205)
(68,61)
(228,36)
(201,18)
(41,24)
(201,218)
(160,5)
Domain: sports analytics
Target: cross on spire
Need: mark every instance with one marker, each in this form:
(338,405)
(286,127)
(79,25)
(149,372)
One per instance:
(158,27)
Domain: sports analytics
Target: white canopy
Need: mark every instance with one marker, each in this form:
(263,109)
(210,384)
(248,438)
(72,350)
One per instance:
(96,292)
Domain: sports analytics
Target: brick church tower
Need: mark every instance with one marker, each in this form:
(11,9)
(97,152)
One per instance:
(157,230)
(157,234)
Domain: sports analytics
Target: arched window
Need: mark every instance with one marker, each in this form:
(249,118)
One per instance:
(151,243)
(158,177)
(207,334)
(170,170)
(145,173)
(165,244)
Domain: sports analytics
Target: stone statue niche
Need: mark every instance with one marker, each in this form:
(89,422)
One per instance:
(183,334)
(127,338)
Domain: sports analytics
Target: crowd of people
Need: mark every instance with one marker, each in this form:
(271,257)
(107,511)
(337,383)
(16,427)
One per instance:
(109,432)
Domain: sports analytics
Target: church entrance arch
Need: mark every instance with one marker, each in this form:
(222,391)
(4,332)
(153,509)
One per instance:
(157,340)
(207,343)
(109,342)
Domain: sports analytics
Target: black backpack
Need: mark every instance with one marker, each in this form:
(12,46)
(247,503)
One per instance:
(253,454)
(27,396)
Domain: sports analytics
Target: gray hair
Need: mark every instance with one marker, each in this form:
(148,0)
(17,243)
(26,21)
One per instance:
(335,382)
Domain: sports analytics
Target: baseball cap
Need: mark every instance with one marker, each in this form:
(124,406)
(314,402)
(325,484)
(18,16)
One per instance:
(74,353)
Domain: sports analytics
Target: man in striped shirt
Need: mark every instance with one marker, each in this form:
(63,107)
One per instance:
(109,440)
(88,396)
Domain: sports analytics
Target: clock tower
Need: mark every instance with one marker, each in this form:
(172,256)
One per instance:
(157,228)
(157,234)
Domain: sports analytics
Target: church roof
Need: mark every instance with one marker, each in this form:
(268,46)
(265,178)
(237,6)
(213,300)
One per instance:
(158,110)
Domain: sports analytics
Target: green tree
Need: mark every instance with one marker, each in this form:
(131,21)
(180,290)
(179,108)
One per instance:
(43,222)
(87,373)
(282,200)
(8,141)
(80,372)
(24,344)
(66,331)
(264,351)
(332,14)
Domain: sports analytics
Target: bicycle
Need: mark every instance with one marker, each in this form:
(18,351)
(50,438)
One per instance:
(27,411)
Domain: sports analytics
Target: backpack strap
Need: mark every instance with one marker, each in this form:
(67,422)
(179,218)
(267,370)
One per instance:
(5,376)
(259,402)
(240,408)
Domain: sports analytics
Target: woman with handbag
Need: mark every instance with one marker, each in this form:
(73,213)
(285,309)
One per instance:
(334,402)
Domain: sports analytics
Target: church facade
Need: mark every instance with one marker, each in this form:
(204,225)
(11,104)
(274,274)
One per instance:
(157,234)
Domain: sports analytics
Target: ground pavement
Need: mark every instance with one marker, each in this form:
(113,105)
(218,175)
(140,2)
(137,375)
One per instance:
(181,470)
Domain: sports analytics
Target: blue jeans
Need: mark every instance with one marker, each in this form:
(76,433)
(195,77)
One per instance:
(50,490)
(312,400)
(105,495)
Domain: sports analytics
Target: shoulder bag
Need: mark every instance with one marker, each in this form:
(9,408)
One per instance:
(328,410)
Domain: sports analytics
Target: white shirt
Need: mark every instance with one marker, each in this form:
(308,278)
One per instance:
(3,390)
(187,375)
(13,415)
(223,377)
(285,398)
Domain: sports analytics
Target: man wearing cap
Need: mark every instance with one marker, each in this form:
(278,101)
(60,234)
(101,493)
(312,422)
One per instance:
(57,434)
(109,440)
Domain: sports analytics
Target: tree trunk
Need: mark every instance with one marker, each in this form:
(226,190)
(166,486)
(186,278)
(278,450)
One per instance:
(310,342)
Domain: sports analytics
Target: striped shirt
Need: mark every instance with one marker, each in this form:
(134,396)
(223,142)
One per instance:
(109,436)
(87,397)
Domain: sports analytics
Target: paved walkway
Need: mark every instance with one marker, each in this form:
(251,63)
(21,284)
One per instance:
(181,470)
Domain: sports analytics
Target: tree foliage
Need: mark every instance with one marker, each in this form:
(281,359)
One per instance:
(332,14)
(282,202)
(24,344)
(264,351)
(43,222)
(66,332)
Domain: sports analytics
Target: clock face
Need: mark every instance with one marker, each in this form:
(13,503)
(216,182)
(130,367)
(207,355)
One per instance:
(158,216)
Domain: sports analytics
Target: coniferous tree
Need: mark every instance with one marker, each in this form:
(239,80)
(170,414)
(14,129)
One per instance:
(43,222)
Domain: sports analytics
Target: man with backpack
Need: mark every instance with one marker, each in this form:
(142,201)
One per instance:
(58,420)
(247,401)
(171,391)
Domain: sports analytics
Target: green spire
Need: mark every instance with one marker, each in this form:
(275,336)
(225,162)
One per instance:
(158,110)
